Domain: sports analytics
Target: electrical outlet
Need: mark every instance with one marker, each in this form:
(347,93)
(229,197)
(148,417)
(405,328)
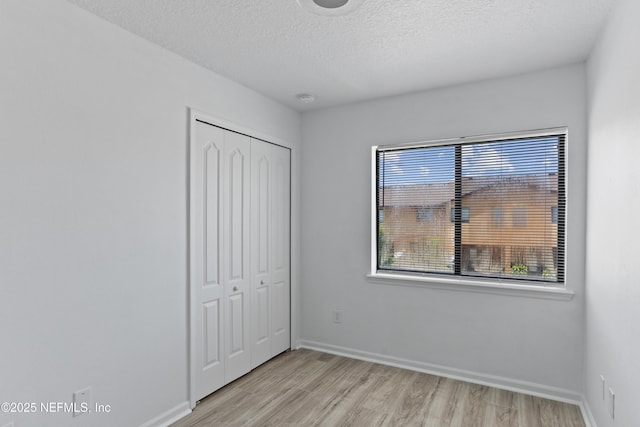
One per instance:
(612,402)
(337,316)
(81,401)
(603,387)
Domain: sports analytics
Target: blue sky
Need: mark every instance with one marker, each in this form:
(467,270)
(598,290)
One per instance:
(436,164)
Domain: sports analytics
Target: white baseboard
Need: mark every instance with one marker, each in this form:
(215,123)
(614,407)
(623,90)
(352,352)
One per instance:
(170,416)
(534,389)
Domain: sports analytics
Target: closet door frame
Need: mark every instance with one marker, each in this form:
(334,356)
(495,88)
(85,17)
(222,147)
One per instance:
(199,116)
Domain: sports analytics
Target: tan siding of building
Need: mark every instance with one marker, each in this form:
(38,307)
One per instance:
(490,245)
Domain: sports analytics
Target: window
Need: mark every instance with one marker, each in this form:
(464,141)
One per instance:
(466,214)
(554,214)
(498,216)
(425,215)
(451,200)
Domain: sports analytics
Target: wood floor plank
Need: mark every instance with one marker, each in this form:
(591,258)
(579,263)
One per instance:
(309,388)
(550,413)
(349,394)
(386,388)
(355,390)
(456,404)
(393,405)
(276,414)
(572,416)
(500,416)
(528,411)
(364,417)
(476,406)
(503,398)
(415,403)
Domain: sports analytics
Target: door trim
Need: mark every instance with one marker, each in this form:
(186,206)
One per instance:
(199,116)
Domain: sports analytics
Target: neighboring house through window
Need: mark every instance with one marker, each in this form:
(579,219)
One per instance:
(479,207)
(519,216)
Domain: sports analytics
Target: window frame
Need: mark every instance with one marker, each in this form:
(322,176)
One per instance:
(537,289)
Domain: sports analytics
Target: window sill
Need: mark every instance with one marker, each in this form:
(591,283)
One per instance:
(474,285)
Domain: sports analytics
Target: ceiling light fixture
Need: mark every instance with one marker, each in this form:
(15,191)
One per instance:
(305,98)
(331,4)
(330,7)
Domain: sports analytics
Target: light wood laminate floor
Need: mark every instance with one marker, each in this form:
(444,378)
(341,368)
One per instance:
(308,388)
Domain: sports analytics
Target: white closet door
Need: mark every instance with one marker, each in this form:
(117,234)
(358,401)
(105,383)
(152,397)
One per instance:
(280,249)
(206,281)
(240,215)
(236,268)
(260,252)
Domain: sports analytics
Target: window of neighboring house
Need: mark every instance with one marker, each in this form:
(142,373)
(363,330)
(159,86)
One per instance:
(497,216)
(554,214)
(521,174)
(466,214)
(425,214)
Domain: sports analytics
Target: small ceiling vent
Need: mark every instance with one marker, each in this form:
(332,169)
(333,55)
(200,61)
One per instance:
(330,7)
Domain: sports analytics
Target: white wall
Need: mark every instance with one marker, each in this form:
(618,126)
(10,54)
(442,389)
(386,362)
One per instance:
(519,339)
(93,210)
(613,293)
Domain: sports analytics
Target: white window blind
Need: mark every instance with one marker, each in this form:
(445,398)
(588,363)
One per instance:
(480,207)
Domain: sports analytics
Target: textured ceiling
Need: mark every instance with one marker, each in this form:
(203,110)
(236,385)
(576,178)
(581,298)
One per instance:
(384,47)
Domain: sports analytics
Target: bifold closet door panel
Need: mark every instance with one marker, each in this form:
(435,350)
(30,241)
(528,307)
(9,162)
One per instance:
(236,268)
(260,252)
(280,286)
(206,281)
